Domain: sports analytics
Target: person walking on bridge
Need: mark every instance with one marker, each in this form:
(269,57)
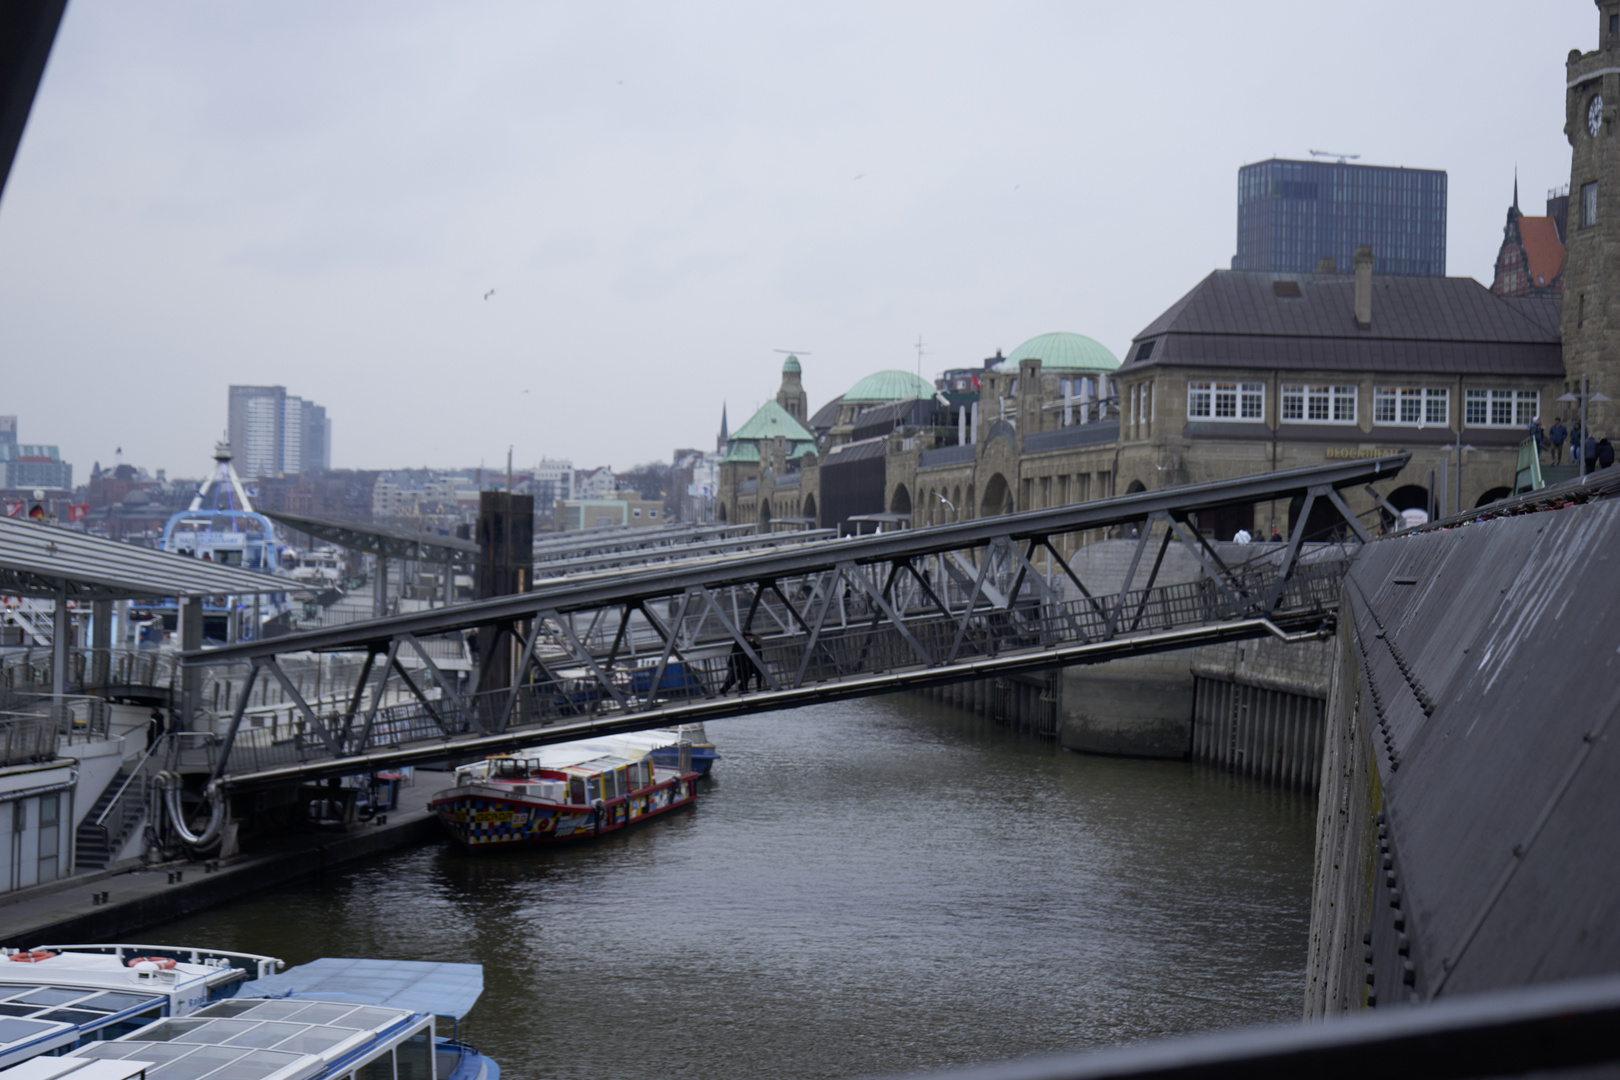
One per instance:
(1556,435)
(740,669)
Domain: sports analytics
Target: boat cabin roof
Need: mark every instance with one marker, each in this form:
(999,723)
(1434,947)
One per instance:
(261,1039)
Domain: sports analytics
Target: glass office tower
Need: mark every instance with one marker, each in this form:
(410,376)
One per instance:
(1293,214)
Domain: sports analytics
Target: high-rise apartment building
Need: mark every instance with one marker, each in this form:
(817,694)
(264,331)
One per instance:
(274,433)
(1294,214)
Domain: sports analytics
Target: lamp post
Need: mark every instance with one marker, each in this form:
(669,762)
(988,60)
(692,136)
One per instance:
(1583,396)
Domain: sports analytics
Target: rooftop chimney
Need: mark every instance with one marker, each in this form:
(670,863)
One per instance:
(1364,267)
(1326,266)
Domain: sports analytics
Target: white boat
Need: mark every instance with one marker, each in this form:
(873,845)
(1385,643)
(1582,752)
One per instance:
(115,1012)
(54,998)
(221,526)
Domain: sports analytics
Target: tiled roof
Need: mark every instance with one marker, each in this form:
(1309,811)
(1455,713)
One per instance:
(1351,354)
(1545,311)
(1237,318)
(1414,308)
(1542,249)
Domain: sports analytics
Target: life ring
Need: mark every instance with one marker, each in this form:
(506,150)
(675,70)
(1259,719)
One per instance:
(163,962)
(32,957)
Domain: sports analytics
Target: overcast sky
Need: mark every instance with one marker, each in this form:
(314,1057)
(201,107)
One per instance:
(661,194)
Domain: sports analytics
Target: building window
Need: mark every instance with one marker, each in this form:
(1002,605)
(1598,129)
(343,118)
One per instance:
(1226,400)
(1414,406)
(1501,408)
(1319,404)
(1589,204)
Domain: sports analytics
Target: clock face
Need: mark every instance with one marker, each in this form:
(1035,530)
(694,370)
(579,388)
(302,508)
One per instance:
(1594,115)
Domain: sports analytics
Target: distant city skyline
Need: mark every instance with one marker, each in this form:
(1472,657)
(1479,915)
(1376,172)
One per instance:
(659,198)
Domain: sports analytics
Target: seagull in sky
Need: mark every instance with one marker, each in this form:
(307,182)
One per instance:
(858,177)
(489,294)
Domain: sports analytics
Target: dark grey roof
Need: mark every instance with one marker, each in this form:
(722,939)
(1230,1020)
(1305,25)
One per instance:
(826,416)
(1545,310)
(1236,318)
(1353,354)
(1074,435)
(857,451)
(946,455)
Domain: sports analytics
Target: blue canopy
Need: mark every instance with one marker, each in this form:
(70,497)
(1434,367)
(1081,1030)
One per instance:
(418,985)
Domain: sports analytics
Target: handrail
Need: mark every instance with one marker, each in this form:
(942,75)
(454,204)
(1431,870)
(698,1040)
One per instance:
(135,774)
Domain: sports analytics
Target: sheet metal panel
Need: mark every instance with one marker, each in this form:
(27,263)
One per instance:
(34,557)
(1503,813)
(418,985)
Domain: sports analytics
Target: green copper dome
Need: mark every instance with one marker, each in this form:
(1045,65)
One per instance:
(890,386)
(791,364)
(1062,351)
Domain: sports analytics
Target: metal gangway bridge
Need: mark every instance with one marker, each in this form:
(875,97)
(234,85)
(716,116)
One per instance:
(730,634)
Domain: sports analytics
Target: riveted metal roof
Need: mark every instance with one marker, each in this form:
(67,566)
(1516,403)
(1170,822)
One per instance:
(382,539)
(47,560)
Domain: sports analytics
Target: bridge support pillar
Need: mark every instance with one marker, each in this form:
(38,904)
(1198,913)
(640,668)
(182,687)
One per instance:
(189,624)
(101,641)
(1135,707)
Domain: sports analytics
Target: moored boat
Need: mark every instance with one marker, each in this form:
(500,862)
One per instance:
(56,997)
(556,794)
(122,1011)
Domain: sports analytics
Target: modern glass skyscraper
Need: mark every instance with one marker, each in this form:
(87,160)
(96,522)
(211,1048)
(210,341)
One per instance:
(273,433)
(1294,214)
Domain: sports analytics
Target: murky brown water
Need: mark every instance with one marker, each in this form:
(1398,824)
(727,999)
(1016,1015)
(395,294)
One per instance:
(876,886)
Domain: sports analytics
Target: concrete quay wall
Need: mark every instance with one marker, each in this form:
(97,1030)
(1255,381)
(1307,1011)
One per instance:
(1467,835)
(1253,707)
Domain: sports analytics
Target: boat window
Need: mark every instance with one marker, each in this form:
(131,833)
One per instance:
(576,790)
(415,1057)
(380,1067)
(129,1024)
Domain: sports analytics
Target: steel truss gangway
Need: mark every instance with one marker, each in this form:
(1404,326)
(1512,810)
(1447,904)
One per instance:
(594,560)
(839,619)
(625,538)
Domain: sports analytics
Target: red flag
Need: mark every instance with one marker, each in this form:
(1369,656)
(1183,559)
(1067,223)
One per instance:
(975,382)
(14,509)
(78,510)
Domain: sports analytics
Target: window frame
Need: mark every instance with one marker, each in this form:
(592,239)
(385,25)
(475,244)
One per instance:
(1330,397)
(1240,396)
(1432,405)
(1522,406)
(1589,210)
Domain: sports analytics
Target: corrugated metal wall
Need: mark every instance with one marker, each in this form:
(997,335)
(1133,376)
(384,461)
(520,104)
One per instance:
(1269,735)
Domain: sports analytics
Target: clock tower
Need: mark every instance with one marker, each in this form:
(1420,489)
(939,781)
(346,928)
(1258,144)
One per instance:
(1591,314)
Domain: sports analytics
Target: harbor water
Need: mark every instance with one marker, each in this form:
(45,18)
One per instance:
(875,886)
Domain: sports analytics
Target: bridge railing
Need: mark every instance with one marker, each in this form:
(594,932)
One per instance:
(563,687)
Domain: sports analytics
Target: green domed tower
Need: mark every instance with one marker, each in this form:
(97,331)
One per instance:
(791,396)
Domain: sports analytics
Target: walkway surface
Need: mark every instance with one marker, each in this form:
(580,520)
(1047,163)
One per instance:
(66,911)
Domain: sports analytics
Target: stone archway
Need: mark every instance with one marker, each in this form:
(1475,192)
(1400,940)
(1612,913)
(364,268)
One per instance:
(810,510)
(1492,495)
(764,516)
(900,503)
(998,497)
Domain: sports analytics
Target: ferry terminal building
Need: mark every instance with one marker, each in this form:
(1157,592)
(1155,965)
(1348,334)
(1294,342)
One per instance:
(1249,371)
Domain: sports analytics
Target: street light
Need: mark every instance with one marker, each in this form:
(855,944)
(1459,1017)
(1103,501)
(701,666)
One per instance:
(1583,397)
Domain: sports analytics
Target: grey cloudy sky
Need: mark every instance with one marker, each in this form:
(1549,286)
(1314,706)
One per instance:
(319,195)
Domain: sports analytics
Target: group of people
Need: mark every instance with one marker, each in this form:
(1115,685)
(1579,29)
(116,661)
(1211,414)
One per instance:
(1597,453)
